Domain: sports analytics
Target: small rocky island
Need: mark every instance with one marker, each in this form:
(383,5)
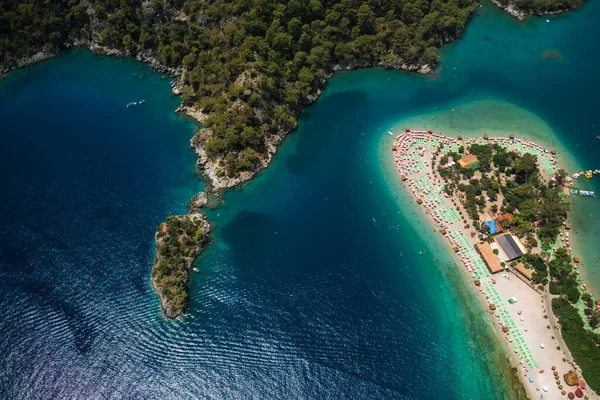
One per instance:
(179,242)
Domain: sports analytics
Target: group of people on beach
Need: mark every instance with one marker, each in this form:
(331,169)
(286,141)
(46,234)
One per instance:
(415,154)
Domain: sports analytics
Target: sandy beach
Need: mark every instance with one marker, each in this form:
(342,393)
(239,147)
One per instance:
(526,327)
(474,117)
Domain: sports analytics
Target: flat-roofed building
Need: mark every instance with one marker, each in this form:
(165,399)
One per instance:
(526,272)
(511,246)
(489,258)
(468,161)
(501,217)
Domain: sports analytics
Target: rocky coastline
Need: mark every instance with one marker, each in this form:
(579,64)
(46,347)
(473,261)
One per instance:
(210,169)
(144,56)
(520,14)
(215,179)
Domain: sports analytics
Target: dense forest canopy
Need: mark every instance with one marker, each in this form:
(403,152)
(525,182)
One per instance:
(250,64)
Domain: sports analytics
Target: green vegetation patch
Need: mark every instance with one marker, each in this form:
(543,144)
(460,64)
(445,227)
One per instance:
(582,343)
(537,207)
(251,65)
(177,240)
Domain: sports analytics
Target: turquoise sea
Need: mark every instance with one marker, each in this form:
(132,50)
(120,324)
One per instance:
(322,281)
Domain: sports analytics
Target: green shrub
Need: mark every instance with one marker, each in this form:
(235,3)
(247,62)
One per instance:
(582,343)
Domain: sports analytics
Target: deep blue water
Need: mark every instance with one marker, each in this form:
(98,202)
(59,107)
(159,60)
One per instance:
(318,285)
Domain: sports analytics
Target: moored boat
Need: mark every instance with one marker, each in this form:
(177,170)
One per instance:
(132,104)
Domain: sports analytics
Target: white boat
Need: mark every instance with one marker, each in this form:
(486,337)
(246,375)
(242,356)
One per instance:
(548,21)
(390,133)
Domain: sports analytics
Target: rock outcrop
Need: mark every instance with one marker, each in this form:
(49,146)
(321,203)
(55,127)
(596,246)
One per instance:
(521,14)
(199,201)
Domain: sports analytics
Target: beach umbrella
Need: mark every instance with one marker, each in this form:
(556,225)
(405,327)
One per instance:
(571,395)
(579,393)
(545,388)
(581,384)
(531,379)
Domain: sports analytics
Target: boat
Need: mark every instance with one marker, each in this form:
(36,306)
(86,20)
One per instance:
(548,21)
(135,103)
(390,133)
(196,269)
(588,174)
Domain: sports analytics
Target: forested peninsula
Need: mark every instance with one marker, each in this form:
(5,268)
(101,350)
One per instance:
(245,68)
(248,67)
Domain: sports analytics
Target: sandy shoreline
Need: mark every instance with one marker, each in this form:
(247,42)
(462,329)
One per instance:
(534,347)
(474,117)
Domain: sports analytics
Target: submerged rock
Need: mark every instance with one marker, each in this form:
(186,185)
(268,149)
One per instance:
(551,54)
